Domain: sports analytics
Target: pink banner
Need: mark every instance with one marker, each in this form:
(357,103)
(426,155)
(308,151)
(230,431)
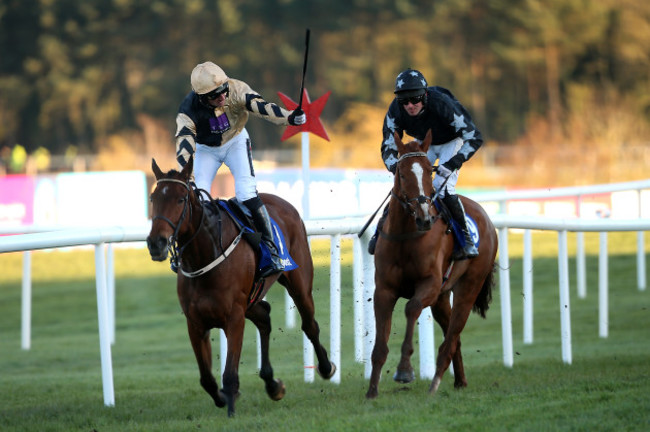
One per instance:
(16,200)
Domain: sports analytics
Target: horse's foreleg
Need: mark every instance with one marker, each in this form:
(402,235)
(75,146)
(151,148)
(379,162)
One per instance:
(200,340)
(448,349)
(405,372)
(441,311)
(259,314)
(383,305)
(235,336)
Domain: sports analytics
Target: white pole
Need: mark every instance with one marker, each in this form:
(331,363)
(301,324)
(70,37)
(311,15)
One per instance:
(258,339)
(335,305)
(308,349)
(580,265)
(603,300)
(26,302)
(290,310)
(425,335)
(305,175)
(640,250)
(451,303)
(110,290)
(640,261)
(308,358)
(565,310)
(223,351)
(103,321)
(528,287)
(504,291)
(368,306)
(308,352)
(357,276)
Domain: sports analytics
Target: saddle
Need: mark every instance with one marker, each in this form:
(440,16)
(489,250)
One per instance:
(244,221)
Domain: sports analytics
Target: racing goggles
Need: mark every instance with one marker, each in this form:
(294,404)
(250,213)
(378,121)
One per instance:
(223,88)
(410,99)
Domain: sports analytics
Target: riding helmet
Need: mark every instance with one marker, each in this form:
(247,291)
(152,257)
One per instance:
(206,77)
(410,83)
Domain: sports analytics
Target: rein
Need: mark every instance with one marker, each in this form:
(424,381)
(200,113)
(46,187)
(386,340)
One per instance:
(176,251)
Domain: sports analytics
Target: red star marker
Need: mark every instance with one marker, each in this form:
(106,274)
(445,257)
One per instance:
(312,110)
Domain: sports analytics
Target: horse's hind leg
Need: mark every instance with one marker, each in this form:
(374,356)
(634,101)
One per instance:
(200,340)
(235,337)
(459,314)
(441,311)
(259,314)
(299,288)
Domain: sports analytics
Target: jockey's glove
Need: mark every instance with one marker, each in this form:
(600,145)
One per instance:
(443,171)
(297,117)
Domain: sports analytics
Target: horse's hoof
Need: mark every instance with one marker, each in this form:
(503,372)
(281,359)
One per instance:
(404,377)
(220,399)
(327,376)
(277,391)
(372,393)
(460,384)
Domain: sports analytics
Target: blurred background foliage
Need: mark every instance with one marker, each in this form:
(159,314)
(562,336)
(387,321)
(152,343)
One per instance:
(559,88)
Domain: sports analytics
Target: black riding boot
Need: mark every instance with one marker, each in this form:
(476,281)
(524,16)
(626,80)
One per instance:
(458,213)
(380,223)
(263,226)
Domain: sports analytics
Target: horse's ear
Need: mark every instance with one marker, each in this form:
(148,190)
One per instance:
(186,173)
(156,171)
(427,141)
(398,143)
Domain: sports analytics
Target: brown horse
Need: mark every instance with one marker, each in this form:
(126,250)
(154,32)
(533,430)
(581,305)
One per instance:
(217,273)
(412,259)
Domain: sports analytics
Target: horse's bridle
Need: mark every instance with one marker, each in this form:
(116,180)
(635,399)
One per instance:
(407,204)
(174,249)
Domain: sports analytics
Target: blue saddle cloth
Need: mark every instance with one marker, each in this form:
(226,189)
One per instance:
(278,239)
(456,230)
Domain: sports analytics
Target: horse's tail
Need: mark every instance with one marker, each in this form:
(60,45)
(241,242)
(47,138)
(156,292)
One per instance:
(482,303)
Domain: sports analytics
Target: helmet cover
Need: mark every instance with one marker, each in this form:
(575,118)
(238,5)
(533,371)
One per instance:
(206,77)
(410,83)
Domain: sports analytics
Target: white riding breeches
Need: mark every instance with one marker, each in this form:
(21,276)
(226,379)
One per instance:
(443,153)
(236,154)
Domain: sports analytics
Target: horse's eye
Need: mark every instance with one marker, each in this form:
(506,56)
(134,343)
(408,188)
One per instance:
(151,198)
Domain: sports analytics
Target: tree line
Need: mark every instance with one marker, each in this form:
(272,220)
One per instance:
(78,74)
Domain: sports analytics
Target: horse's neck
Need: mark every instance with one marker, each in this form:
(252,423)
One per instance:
(216,228)
(197,241)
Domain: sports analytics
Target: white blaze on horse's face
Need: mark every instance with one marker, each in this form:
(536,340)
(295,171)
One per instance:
(417,169)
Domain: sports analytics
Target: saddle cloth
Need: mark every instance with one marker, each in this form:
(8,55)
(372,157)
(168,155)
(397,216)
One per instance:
(239,212)
(456,230)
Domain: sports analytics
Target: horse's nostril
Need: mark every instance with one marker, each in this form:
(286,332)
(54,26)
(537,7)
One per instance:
(157,244)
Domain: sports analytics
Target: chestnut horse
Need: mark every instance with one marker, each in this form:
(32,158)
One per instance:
(217,273)
(413,261)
